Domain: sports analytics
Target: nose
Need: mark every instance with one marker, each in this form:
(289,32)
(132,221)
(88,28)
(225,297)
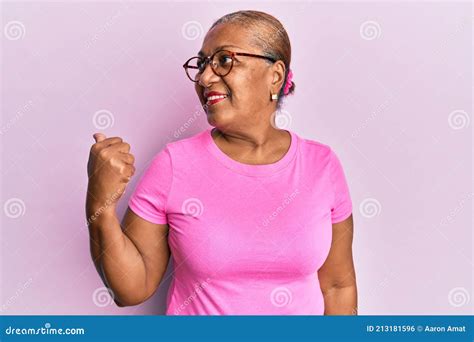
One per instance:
(208,76)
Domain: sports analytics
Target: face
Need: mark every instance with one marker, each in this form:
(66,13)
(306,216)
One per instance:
(248,85)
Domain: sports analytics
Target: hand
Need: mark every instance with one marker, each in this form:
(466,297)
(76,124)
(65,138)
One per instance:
(110,168)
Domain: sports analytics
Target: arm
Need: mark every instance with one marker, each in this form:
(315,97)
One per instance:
(337,275)
(131,263)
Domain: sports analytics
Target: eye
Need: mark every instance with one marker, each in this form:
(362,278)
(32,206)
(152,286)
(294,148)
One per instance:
(201,65)
(225,59)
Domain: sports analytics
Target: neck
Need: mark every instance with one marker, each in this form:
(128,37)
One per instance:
(252,139)
(253,146)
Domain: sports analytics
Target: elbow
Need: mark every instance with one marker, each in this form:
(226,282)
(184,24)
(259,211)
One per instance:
(140,296)
(338,287)
(120,304)
(123,302)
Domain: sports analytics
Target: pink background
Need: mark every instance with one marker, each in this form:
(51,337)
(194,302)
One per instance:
(387,85)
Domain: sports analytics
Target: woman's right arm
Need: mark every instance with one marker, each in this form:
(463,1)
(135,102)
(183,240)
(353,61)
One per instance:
(131,262)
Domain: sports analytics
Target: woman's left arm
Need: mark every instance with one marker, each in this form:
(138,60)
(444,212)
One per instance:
(337,275)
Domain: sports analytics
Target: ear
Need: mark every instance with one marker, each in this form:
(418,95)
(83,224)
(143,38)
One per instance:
(278,73)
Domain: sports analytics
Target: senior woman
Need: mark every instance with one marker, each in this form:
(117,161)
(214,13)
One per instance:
(258,220)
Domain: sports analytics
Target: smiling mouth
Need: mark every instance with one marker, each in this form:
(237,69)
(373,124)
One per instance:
(215,99)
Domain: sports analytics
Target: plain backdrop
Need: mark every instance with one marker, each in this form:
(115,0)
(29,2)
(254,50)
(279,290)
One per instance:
(388,85)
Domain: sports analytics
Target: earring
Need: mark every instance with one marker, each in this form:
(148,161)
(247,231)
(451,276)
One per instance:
(274,97)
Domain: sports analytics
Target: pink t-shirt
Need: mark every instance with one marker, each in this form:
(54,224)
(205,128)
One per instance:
(245,239)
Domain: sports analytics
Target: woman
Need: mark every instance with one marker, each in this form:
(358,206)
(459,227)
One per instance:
(258,219)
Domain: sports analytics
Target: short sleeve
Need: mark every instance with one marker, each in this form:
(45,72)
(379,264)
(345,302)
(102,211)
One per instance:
(150,196)
(342,205)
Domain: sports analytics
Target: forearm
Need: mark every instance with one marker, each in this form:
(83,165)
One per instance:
(117,259)
(340,300)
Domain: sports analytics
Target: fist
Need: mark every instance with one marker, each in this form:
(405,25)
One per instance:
(110,168)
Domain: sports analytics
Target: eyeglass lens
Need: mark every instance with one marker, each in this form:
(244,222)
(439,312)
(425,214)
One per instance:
(221,64)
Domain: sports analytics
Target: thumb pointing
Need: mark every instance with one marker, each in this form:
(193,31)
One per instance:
(99,137)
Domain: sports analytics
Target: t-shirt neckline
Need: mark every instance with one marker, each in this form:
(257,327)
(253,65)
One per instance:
(250,169)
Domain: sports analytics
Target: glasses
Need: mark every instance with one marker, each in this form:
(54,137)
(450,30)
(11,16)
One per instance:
(221,63)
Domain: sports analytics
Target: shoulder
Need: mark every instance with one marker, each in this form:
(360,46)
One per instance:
(316,150)
(319,155)
(186,148)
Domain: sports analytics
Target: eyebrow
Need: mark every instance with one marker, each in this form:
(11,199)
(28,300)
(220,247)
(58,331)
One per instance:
(201,53)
